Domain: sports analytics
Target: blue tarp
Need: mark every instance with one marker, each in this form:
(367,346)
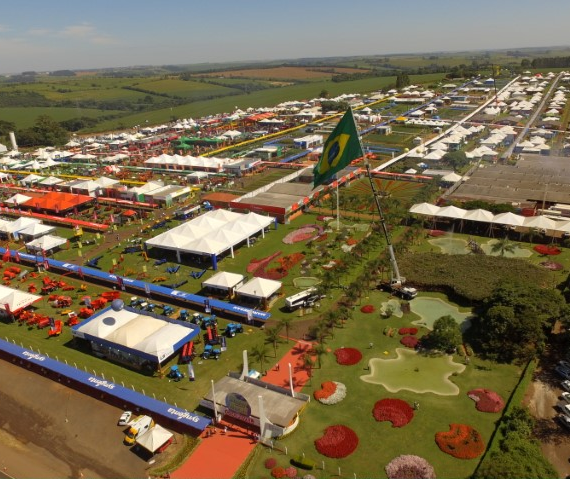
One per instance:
(153,406)
(144,287)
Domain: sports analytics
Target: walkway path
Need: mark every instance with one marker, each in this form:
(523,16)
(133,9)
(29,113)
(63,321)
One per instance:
(221,454)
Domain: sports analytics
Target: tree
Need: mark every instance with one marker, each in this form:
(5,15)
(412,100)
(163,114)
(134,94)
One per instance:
(402,80)
(46,131)
(272,336)
(446,334)
(318,350)
(308,364)
(513,322)
(503,246)
(324,94)
(285,322)
(259,354)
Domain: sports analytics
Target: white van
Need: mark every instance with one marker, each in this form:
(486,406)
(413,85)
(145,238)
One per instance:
(302,299)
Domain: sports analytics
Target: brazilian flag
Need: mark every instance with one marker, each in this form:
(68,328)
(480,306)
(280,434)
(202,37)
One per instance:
(341,148)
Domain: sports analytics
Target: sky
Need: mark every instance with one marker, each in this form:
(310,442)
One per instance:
(83,34)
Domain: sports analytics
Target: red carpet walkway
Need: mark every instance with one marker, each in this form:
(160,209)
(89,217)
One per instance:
(220,455)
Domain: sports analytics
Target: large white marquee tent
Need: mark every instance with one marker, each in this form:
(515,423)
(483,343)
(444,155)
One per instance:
(212,234)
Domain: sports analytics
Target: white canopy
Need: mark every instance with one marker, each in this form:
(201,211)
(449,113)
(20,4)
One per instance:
(224,280)
(540,222)
(508,219)
(18,199)
(451,212)
(259,288)
(36,230)
(451,178)
(46,243)
(154,438)
(425,209)
(12,300)
(479,215)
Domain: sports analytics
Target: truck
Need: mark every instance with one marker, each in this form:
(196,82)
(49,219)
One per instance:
(303,299)
(138,428)
(398,289)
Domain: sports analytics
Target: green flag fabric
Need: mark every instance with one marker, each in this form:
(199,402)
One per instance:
(341,147)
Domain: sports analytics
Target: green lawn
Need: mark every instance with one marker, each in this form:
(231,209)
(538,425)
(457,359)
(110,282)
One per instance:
(26,117)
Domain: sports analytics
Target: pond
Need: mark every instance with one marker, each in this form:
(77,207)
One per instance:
(430,309)
(415,372)
(518,252)
(451,245)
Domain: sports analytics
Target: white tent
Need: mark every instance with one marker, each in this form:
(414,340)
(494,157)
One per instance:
(479,215)
(540,222)
(451,178)
(36,230)
(425,209)
(46,243)
(508,219)
(259,288)
(18,199)
(451,212)
(12,300)
(223,280)
(154,438)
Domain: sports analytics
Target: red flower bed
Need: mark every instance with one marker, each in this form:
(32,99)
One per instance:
(436,233)
(403,331)
(270,463)
(278,472)
(255,264)
(347,356)
(547,250)
(397,411)
(351,241)
(410,341)
(304,233)
(327,389)
(337,442)
(486,400)
(290,260)
(368,308)
(322,237)
(461,441)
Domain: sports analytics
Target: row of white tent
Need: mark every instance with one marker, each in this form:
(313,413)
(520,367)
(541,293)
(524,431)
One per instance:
(212,233)
(509,219)
(189,161)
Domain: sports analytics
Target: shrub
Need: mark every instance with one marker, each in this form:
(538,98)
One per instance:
(303,463)
(397,411)
(410,341)
(337,442)
(461,441)
(409,467)
(347,356)
(486,400)
(270,463)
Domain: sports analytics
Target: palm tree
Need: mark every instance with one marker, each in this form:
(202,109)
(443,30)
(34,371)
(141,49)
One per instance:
(308,364)
(285,322)
(318,350)
(272,336)
(259,354)
(503,246)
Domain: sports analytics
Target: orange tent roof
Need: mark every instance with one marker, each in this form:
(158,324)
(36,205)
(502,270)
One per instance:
(57,200)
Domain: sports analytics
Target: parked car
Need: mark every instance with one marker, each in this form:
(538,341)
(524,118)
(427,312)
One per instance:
(564,364)
(565,396)
(125,418)
(562,372)
(565,385)
(564,420)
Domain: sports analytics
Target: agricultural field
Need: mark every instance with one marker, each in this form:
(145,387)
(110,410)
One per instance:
(284,73)
(189,90)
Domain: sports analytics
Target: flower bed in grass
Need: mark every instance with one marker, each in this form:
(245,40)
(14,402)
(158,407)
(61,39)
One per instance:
(546,250)
(270,463)
(408,466)
(351,241)
(331,392)
(337,442)
(347,356)
(396,411)
(486,400)
(256,264)
(278,472)
(404,331)
(436,233)
(304,233)
(552,266)
(410,341)
(461,441)
(367,308)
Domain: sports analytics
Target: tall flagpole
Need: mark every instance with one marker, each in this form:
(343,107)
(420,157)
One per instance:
(337,206)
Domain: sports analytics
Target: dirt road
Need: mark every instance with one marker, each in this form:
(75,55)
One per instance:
(48,430)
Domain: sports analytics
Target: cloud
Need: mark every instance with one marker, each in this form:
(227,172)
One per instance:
(40,32)
(4,28)
(83,30)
